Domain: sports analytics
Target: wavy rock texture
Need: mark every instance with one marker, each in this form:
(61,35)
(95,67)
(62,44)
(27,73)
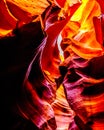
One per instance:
(52,64)
(21,12)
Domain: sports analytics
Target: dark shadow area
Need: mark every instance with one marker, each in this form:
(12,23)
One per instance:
(16,53)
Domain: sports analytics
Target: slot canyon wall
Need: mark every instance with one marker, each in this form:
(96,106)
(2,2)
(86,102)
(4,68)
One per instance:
(52,64)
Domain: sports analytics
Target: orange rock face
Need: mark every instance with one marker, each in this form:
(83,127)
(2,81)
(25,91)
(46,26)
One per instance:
(13,11)
(56,60)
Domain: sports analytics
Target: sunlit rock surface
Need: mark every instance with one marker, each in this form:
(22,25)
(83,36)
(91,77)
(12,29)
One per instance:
(19,11)
(52,64)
